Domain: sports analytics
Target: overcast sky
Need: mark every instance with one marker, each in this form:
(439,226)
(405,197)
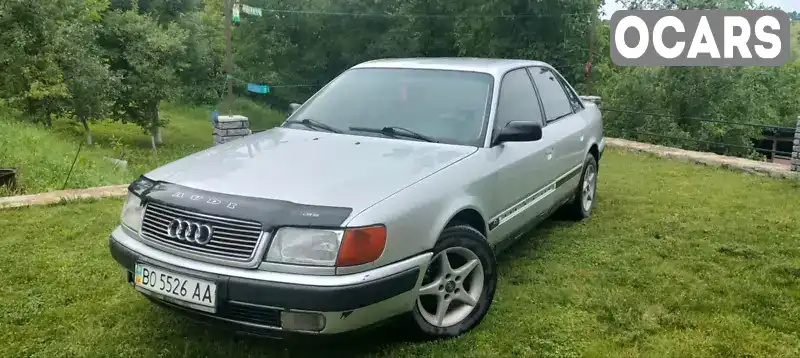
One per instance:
(786,5)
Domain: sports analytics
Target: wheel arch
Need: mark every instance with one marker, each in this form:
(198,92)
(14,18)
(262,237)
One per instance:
(466,212)
(470,217)
(594,150)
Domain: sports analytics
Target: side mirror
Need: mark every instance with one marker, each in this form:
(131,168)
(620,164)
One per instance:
(519,131)
(292,108)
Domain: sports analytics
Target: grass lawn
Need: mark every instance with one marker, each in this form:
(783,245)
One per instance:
(43,156)
(678,260)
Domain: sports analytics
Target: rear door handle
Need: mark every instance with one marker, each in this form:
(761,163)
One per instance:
(549,153)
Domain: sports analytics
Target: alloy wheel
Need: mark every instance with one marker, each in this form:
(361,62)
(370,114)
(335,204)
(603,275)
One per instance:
(451,288)
(589,187)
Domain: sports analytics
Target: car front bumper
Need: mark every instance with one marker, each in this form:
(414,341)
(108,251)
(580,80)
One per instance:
(257,301)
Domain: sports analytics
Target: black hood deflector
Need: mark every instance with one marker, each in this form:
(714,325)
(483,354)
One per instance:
(270,213)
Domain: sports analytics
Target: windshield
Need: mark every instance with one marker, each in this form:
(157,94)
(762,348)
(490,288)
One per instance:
(448,106)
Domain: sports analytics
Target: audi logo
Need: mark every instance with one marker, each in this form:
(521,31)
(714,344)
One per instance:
(190,231)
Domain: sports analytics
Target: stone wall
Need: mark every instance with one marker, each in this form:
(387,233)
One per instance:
(228,128)
(796,148)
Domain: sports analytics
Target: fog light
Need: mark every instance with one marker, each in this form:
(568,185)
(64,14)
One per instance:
(302,321)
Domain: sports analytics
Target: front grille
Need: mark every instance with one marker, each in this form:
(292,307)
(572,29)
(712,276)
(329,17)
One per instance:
(232,240)
(264,316)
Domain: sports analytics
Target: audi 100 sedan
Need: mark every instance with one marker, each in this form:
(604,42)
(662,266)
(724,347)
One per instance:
(388,193)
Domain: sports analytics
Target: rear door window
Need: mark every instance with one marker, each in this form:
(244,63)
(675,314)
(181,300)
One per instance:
(556,103)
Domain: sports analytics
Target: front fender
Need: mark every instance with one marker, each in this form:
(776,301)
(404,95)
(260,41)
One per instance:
(456,207)
(415,217)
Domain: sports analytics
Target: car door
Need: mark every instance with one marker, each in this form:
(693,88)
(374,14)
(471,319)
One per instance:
(564,130)
(522,168)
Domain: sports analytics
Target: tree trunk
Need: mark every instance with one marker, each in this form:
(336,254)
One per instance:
(159,141)
(87,130)
(154,126)
(153,139)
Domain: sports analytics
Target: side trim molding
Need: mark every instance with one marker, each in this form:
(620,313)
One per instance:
(567,177)
(533,199)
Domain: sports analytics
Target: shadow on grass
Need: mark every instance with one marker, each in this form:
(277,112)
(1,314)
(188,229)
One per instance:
(364,342)
(378,340)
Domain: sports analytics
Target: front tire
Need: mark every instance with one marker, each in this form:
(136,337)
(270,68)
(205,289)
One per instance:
(459,284)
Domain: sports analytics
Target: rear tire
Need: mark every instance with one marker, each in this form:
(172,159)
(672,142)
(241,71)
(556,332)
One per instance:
(582,204)
(462,276)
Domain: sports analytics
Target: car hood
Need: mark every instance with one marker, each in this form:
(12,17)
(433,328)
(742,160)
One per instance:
(309,167)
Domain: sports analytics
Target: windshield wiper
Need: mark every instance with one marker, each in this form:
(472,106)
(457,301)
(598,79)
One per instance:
(310,123)
(395,131)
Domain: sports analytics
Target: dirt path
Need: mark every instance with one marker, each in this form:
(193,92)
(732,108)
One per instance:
(57,196)
(775,170)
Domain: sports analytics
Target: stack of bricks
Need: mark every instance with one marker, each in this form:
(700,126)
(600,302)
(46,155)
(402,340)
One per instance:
(796,148)
(228,128)
(594,99)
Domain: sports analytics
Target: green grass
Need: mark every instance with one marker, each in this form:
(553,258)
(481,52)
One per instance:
(44,156)
(677,261)
(43,159)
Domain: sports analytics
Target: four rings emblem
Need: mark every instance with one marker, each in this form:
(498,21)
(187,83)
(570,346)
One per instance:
(190,231)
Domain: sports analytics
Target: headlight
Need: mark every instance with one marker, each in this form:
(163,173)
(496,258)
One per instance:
(319,247)
(305,246)
(132,212)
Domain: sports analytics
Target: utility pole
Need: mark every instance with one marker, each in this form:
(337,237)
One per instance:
(228,56)
(592,28)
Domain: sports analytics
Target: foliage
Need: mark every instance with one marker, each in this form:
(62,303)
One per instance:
(553,31)
(92,59)
(200,78)
(678,260)
(755,95)
(34,36)
(165,11)
(149,57)
(689,4)
(91,83)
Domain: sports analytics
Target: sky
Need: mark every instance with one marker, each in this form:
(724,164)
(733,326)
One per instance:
(786,5)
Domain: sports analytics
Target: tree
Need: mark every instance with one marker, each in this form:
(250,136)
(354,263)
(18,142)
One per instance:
(686,95)
(31,78)
(46,44)
(201,77)
(688,4)
(553,31)
(163,11)
(90,82)
(147,58)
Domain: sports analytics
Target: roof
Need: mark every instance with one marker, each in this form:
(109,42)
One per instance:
(488,65)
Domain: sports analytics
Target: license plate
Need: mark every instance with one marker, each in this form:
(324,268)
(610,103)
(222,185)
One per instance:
(177,288)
